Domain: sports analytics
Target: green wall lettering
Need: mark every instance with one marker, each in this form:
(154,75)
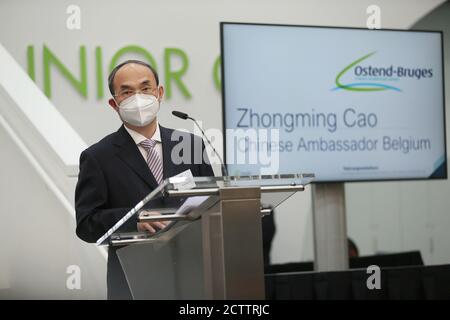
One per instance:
(50,59)
(171,77)
(216,73)
(30,63)
(134,49)
(175,76)
(99,71)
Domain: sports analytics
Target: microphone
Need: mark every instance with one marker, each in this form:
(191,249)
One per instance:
(180,115)
(185,116)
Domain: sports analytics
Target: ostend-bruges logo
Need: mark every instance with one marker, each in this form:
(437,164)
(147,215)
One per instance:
(372,78)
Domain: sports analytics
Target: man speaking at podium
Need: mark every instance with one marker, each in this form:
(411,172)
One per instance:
(125,166)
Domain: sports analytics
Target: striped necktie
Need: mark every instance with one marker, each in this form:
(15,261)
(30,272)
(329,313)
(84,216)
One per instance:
(154,161)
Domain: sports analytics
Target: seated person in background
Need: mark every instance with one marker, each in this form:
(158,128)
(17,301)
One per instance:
(268,233)
(353,251)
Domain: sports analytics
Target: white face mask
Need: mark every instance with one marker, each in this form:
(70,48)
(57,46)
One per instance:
(139,109)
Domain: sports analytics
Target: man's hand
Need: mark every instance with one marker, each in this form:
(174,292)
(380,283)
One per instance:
(152,226)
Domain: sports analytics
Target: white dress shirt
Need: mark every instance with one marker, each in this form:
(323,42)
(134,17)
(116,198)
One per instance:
(138,138)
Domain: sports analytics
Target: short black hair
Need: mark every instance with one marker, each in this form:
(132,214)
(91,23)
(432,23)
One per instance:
(114,71)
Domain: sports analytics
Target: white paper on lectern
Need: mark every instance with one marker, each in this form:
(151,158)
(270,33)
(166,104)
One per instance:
(190,204)
(183,180)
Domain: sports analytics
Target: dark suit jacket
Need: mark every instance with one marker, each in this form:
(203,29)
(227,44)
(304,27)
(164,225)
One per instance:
(113,178)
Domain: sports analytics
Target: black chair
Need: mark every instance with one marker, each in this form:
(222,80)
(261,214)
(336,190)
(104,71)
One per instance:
(403,276)
(411,258)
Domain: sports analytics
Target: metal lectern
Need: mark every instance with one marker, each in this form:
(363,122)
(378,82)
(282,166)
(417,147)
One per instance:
(212,248)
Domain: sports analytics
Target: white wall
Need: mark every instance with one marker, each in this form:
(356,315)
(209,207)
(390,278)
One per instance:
(38,237)
(193,27)
(400,216)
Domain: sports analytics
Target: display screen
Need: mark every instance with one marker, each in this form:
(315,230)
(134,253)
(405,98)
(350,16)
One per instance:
(345,104)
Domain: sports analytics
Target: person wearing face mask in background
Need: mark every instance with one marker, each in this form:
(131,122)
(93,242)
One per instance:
(125,166)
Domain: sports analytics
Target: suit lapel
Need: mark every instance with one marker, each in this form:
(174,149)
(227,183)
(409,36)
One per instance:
(169,168)
(129,153)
